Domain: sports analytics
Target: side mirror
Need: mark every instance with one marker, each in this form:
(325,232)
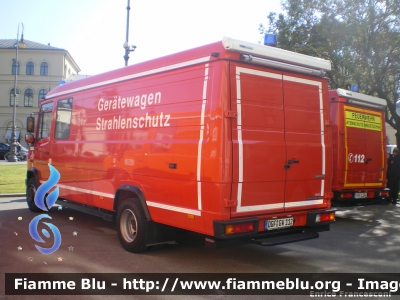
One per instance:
(30,124)
(29,138)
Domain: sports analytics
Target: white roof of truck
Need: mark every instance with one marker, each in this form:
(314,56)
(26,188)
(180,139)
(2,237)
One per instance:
(361,97)
(276,54)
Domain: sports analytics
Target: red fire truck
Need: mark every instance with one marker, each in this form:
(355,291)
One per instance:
(359,147)
(231,140)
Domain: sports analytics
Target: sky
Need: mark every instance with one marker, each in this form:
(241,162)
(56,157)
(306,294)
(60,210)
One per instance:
(94,31)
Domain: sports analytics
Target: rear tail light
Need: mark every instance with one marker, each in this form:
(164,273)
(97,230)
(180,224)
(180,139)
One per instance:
(384,194)
(325,217)
(346,195)
(239,228)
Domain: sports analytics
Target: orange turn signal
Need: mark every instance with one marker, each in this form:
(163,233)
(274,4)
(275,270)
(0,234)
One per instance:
(325,217)
(239,228)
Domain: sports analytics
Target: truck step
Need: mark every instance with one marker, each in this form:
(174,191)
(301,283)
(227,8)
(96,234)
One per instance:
(276,240)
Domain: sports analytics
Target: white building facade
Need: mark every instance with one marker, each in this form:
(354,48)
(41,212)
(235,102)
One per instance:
(39,69)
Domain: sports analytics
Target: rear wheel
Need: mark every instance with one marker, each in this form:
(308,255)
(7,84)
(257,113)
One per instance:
(131,223)
(30,195)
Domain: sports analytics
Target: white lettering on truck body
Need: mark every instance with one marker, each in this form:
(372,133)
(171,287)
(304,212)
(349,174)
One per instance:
(120,122)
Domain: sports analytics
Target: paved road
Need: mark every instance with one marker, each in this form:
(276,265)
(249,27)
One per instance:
(363,240)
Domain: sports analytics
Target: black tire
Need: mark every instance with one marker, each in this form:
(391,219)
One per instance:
(131,226)
(30,195)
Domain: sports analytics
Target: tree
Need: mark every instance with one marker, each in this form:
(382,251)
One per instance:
(360,38)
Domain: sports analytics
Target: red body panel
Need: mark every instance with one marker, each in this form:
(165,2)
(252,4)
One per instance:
(170,127)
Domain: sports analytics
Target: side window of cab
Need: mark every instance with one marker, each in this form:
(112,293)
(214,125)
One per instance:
(44,124)
(63,119)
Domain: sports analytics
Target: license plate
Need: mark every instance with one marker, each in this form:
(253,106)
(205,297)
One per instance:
(360,195)
(278,223)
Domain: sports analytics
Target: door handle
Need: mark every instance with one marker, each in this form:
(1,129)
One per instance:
(293,161)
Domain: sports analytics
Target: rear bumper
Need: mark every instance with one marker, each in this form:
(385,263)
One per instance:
(374,196)
(272,238)
(311,226)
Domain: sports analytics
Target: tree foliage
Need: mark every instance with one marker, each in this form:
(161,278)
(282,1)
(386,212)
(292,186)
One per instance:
(361,38)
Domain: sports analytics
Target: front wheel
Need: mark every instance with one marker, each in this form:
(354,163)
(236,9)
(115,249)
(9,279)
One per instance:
(30,195)
(131,223)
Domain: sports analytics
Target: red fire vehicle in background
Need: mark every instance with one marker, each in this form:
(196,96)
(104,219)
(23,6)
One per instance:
(231,140)
(359,147)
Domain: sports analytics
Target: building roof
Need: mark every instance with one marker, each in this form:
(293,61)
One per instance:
(10,44)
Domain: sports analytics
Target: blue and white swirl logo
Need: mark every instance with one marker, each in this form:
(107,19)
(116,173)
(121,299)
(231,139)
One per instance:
(45,205)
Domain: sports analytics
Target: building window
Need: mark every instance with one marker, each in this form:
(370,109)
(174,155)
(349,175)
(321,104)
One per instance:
(29,68)
(44,69)
(9,131)
(42,94)
(12,97)
(15,66)
(28,98)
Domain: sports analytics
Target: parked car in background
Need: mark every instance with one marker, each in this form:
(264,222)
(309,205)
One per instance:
(5,148)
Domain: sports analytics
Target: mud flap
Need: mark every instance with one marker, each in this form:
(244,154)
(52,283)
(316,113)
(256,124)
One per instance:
(157,234)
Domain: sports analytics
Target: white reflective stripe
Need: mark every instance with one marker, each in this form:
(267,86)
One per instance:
(201,138)
(149,203)
(239,137)
(257,72)
(304,203)
(279,205)
(174,208)
(132,76)
(72,188)
(259,207)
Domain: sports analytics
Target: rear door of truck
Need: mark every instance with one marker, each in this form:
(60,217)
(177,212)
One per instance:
(364,157)
(279,141)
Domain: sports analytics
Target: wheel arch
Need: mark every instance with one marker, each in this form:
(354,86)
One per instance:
(127,191)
